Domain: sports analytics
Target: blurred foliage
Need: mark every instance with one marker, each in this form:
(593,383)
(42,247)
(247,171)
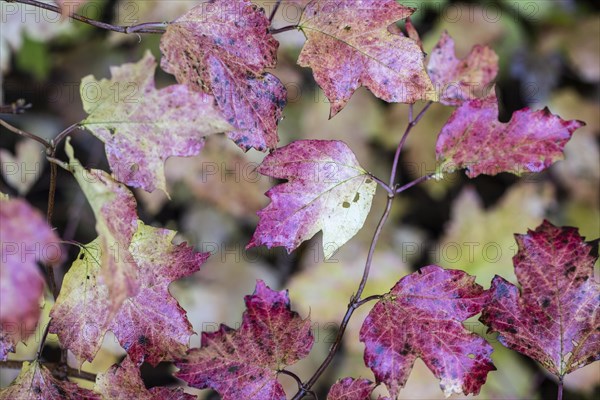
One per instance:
(550,55)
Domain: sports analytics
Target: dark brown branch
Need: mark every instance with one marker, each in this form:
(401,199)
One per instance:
(148,27)
(284,29)
(28,135)
(274,11)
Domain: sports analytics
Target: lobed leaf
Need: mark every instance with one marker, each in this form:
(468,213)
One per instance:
(351,389)
(349,45)
(123,382)
(35,382)
(223,47)
(25,239)
(461,80)
(326,190)
(244,363)
(142,126)
(150,326)
(554,319)
(422,317)
(474,139)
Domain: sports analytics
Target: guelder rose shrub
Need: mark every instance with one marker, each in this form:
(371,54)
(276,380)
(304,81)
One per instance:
(221,53)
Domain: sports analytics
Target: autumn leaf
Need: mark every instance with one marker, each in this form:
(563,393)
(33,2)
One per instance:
(123,382)
(25,239)
(35,382)
(244,363)
(116,221)
(142,126)
(326,190)
(150,326)
(554,318)
(474,138)
(223,47)
(461,80)
(422,317)
(349,45)
(351,389)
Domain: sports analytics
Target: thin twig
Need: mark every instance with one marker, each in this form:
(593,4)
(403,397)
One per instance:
(351,307)
(28,135)
(18,107)
(38,356)
(284,29)
(61,136)
(148,27)
(414,183)
(367,299)
(411,124)
(275,8)
(382,183)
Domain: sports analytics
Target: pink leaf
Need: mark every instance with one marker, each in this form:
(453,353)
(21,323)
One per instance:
(460,80)
(35,382)
(142,126)
(223,47)
(243,363)
(351,389)
(422,317)
(554,319)
(123,382)
(150,326)
(473,138)
(326,190)
(349,45)
(25,239)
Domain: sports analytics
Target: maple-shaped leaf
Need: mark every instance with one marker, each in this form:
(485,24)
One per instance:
(351,389)
(223,47)
(123,382)
(554,319)
(422,317)
(25,239)
(460,80)
(474,138)
(349,45)
(114,207)
(150,326)
(142,126)
(327,190)
(244,363)
(35,382)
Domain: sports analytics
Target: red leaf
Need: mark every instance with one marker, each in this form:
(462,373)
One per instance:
(327,190)
(554,319)
(460,80)
(150,326)
(123,382)
(223,47)
(351,389)
(349,45)
(422,317)
(243,363)
(473,138)
(35,382)
(25,238)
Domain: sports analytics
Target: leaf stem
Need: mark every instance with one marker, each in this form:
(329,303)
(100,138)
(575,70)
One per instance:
(559,396)
(275,8)
(284,29)
(28,135)
(382,183)
(147,27)
(411,124)
(414,183)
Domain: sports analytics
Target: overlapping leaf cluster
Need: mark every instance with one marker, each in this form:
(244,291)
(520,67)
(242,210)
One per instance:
(220,53)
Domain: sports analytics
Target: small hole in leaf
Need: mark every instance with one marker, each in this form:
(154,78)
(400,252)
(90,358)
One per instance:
(471,356)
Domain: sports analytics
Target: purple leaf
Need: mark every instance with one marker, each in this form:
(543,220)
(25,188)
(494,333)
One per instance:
(244,363)
(554,319)
(422,317)
(351,389)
